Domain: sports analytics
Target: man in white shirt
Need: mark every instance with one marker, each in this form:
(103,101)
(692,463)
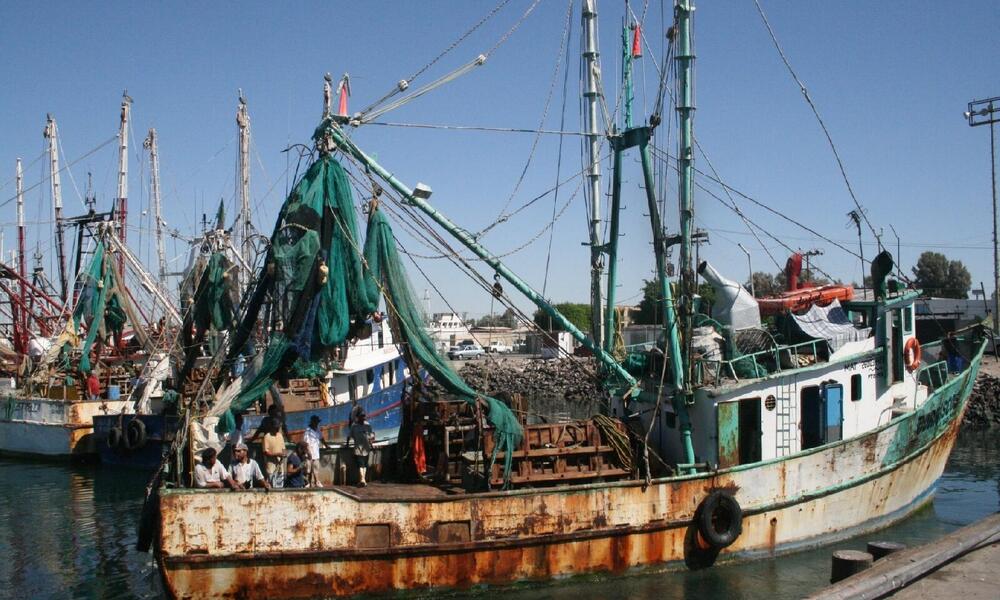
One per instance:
(210,473)
(245,471)
(313,437)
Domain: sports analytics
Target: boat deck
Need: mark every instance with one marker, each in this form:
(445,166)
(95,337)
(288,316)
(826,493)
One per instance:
(394,492)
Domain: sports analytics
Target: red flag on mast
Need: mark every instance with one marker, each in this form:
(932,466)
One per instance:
(344,88)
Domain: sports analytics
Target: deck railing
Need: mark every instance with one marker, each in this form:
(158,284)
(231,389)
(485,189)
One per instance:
(934,375)
(716,369)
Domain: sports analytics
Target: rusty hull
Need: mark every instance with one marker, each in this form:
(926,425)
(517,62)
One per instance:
(329,542)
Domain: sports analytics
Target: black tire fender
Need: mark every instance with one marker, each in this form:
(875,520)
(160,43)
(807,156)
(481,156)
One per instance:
(114,438)
(720,519)
(135,434)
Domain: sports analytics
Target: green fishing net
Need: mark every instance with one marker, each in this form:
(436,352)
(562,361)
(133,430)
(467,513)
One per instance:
(325,287)
(98,307)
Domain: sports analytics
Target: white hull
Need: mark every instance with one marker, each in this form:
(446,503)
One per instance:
(51,428)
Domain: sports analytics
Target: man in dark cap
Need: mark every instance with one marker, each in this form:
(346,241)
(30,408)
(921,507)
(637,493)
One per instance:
(362,436)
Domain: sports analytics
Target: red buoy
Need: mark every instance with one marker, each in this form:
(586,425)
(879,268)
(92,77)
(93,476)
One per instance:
(345,90)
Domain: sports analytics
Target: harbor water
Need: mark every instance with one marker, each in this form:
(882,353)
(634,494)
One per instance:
(69,532)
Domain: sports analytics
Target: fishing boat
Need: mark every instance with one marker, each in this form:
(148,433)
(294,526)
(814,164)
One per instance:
(47,411)
(367,374)
(723,443)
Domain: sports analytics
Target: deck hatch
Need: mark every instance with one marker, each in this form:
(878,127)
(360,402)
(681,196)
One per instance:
(372,536)
(448,532)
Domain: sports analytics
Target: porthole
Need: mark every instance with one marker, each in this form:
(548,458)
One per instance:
(770,402)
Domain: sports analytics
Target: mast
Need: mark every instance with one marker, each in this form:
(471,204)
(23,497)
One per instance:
(154,188)
(56,190)
(123,171)
(243,178)
(591,59)
(417,200)
(22,268)
(614,215)
(685,183)
(640,137)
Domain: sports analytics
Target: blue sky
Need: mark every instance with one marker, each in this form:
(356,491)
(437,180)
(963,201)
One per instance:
(890,79)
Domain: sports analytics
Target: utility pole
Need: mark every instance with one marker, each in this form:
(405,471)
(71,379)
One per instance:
(855,219)
(592,68)
(243,177)
(56,189)
(123,173)
(749,269)
(22,268)
(899,252)
(984,112)
(807,255)
(154,188)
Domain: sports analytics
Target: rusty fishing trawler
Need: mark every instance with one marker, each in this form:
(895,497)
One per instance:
(727,438)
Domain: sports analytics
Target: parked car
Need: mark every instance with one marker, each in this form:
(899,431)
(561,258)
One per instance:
(499,348)
(465,352)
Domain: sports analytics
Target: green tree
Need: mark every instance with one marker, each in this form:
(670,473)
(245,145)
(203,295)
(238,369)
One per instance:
(507,319)
(577,314)
(938,276)
(765,284)
(649,307)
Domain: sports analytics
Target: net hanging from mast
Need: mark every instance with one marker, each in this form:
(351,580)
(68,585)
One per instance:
(325,286)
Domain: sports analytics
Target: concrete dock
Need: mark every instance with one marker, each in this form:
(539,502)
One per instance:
(975,576)
(963,564)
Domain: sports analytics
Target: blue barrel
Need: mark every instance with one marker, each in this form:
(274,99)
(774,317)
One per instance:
(114,392)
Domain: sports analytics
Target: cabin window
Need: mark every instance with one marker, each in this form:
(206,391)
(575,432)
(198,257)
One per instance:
(352,388)
(370,376)
(856,387)
(908,319)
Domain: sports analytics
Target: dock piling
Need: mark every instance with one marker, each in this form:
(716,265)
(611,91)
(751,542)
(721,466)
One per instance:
(848,562)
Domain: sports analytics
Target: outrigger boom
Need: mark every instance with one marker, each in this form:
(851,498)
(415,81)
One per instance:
(338,138)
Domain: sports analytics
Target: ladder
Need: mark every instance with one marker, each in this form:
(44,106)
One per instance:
(787,417)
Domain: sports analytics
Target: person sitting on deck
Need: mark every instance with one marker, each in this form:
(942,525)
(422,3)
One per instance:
(210,473)
(313,437)
(274,453)
(93,387)
(362,435)
(245,471)
(295,470)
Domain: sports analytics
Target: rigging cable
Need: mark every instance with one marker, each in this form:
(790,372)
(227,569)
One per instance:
(768,208)
(815,111)
(562,125)
(406,82)
(564,38)
(365,117)
(46,178)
